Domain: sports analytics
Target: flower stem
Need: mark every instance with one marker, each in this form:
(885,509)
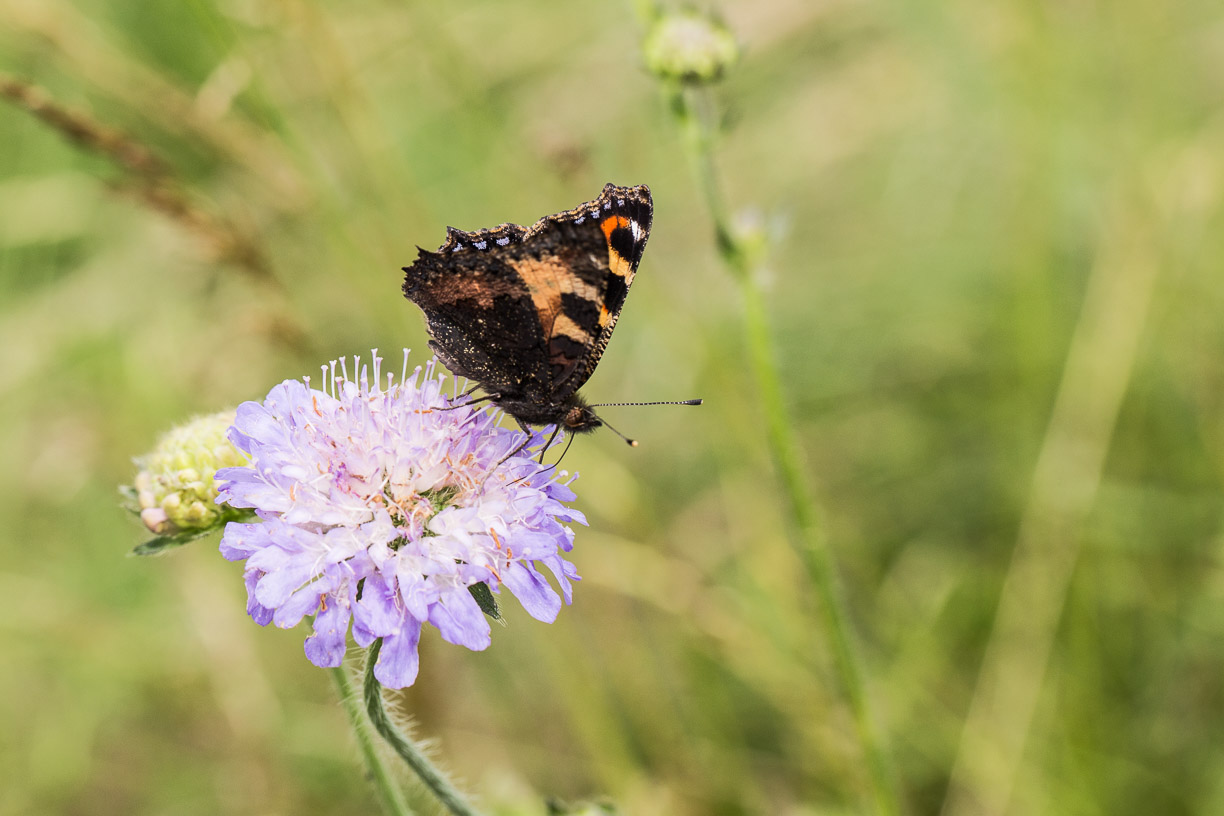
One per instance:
(692,109)
(388,791)
(441,787)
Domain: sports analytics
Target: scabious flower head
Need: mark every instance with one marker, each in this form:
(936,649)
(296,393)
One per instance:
(174,491)
(690,47)
(380,505)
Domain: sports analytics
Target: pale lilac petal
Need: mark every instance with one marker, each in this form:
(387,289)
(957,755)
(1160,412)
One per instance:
(304,602)
(532,591)
(460,621)
(565,573)
(325,648)
(258,612)
(376,612)
(278,587)
(398,660)
(241,540)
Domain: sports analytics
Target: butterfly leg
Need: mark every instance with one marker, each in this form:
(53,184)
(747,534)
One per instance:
(559,458)
(548,444)
(556,430)
(467,394)
(525,443)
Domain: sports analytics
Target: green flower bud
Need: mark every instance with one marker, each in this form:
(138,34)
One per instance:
(174,492)
(690,47)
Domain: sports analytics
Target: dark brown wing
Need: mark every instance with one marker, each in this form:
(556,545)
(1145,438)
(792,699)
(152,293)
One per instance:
(479,313)
(529,312)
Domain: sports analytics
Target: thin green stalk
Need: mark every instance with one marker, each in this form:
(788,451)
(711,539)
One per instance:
(441,787)
(693,115)
(388,791)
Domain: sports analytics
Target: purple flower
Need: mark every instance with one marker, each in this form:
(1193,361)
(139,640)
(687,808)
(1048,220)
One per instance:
(381,507)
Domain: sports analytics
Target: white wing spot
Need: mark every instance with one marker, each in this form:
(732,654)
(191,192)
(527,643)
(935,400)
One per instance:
(620,202)
(580,219)
(456,247)
(607,205)
(503,241)
(635,229)
(480,244)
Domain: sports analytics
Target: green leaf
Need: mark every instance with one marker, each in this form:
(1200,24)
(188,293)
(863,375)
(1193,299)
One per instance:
(157,546)
(486,601)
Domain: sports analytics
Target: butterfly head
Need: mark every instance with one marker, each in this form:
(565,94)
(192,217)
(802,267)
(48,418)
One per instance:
(580,417)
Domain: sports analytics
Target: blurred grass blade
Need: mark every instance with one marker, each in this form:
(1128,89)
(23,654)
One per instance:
(1096,376)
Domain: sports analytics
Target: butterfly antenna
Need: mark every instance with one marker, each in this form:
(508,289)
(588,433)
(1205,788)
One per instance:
(632,442)
(624,404)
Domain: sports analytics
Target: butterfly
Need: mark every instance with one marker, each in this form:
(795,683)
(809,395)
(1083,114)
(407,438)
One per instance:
(526,312)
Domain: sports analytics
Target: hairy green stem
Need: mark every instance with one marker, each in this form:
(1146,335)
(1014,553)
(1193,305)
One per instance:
(437,783)
(693,112)
(389,792)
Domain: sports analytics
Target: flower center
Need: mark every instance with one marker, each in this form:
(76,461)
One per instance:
(413,513)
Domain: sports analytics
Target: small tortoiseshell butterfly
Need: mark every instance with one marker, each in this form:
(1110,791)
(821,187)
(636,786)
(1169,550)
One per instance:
(527,312)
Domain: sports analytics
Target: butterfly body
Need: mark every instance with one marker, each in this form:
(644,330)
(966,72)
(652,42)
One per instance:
(527,312)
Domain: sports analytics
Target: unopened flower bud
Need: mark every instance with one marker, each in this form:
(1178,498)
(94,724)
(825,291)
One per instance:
(174,490)
(690,47)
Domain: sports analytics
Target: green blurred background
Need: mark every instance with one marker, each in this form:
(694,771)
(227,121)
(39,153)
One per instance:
(996,295)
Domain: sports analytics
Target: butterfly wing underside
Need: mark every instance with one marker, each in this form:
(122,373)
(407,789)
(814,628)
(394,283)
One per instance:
(479,317)
(527,313)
